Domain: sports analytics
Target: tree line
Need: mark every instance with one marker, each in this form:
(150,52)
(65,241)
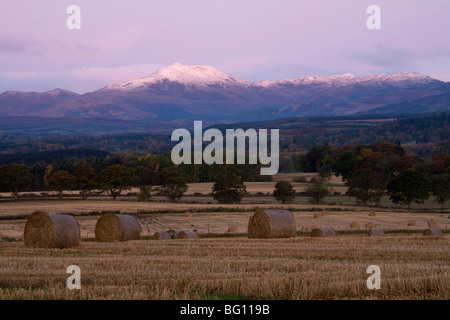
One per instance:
(160,176)
(369,171)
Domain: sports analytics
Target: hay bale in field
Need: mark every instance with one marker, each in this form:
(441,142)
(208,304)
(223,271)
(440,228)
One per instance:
(272,224)
(376,233)
(370,225)
(372,214)
(117,227)
(317,215)
(176,234)
(432,224)
(51,230)
(233,228)
(412,223)
(161,236)
(323,232)
(187,235)
(188,214)
(314,227)
(432,232)
(354,224)
(324,213)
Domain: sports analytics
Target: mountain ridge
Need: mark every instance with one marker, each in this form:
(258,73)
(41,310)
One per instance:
(205,93)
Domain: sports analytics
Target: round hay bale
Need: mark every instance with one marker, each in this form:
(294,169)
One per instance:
(376,233)
(233,228)
(324,213)
(314,227)
(187,235)
(432,232)
(317,215)
(370,225)
(117,227)
(161,236)
(323,232)
(372,214)
(188,215)
(51,230)
(176,234)
(412,223)
(432,224)
(354,224)
(272,224)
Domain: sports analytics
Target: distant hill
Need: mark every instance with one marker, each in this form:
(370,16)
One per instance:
(427,134)
(179,93)
(31,158)
(90,126)
(17,103)
(435,103)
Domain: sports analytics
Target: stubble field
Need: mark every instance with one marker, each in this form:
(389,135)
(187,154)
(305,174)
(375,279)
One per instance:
(412,267)
(222,265)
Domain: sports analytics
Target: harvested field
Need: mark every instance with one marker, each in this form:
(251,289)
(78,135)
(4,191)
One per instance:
(219,222)
(413,267)
(221,264)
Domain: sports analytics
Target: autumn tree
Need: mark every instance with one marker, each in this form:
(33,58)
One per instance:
(317,191)
(15,178)
(312,160)
(344,165)
(366,186)
(86,179)
(440,186)
(229,187)
(146,178)
(284,192)
(117,178)
(47,174)
(173,183)
(409,186)
(60,181)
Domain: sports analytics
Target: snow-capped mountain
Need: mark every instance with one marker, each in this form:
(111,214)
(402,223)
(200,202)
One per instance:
(193,76)
(204,93)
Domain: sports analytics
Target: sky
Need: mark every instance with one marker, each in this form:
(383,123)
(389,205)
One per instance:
(253,40)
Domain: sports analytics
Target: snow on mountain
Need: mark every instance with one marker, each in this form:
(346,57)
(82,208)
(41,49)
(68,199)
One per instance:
(197,76)
(203,92)
(400,78)
(202,77)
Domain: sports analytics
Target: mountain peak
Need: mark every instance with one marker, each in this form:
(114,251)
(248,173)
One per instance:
(59,91)
(196,75)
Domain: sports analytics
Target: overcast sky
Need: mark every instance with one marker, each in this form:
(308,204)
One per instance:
(249,39)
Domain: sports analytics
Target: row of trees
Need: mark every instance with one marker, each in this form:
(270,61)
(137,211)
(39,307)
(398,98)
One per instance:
(155,163)
(170,181)
(369,171)
(113,179)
